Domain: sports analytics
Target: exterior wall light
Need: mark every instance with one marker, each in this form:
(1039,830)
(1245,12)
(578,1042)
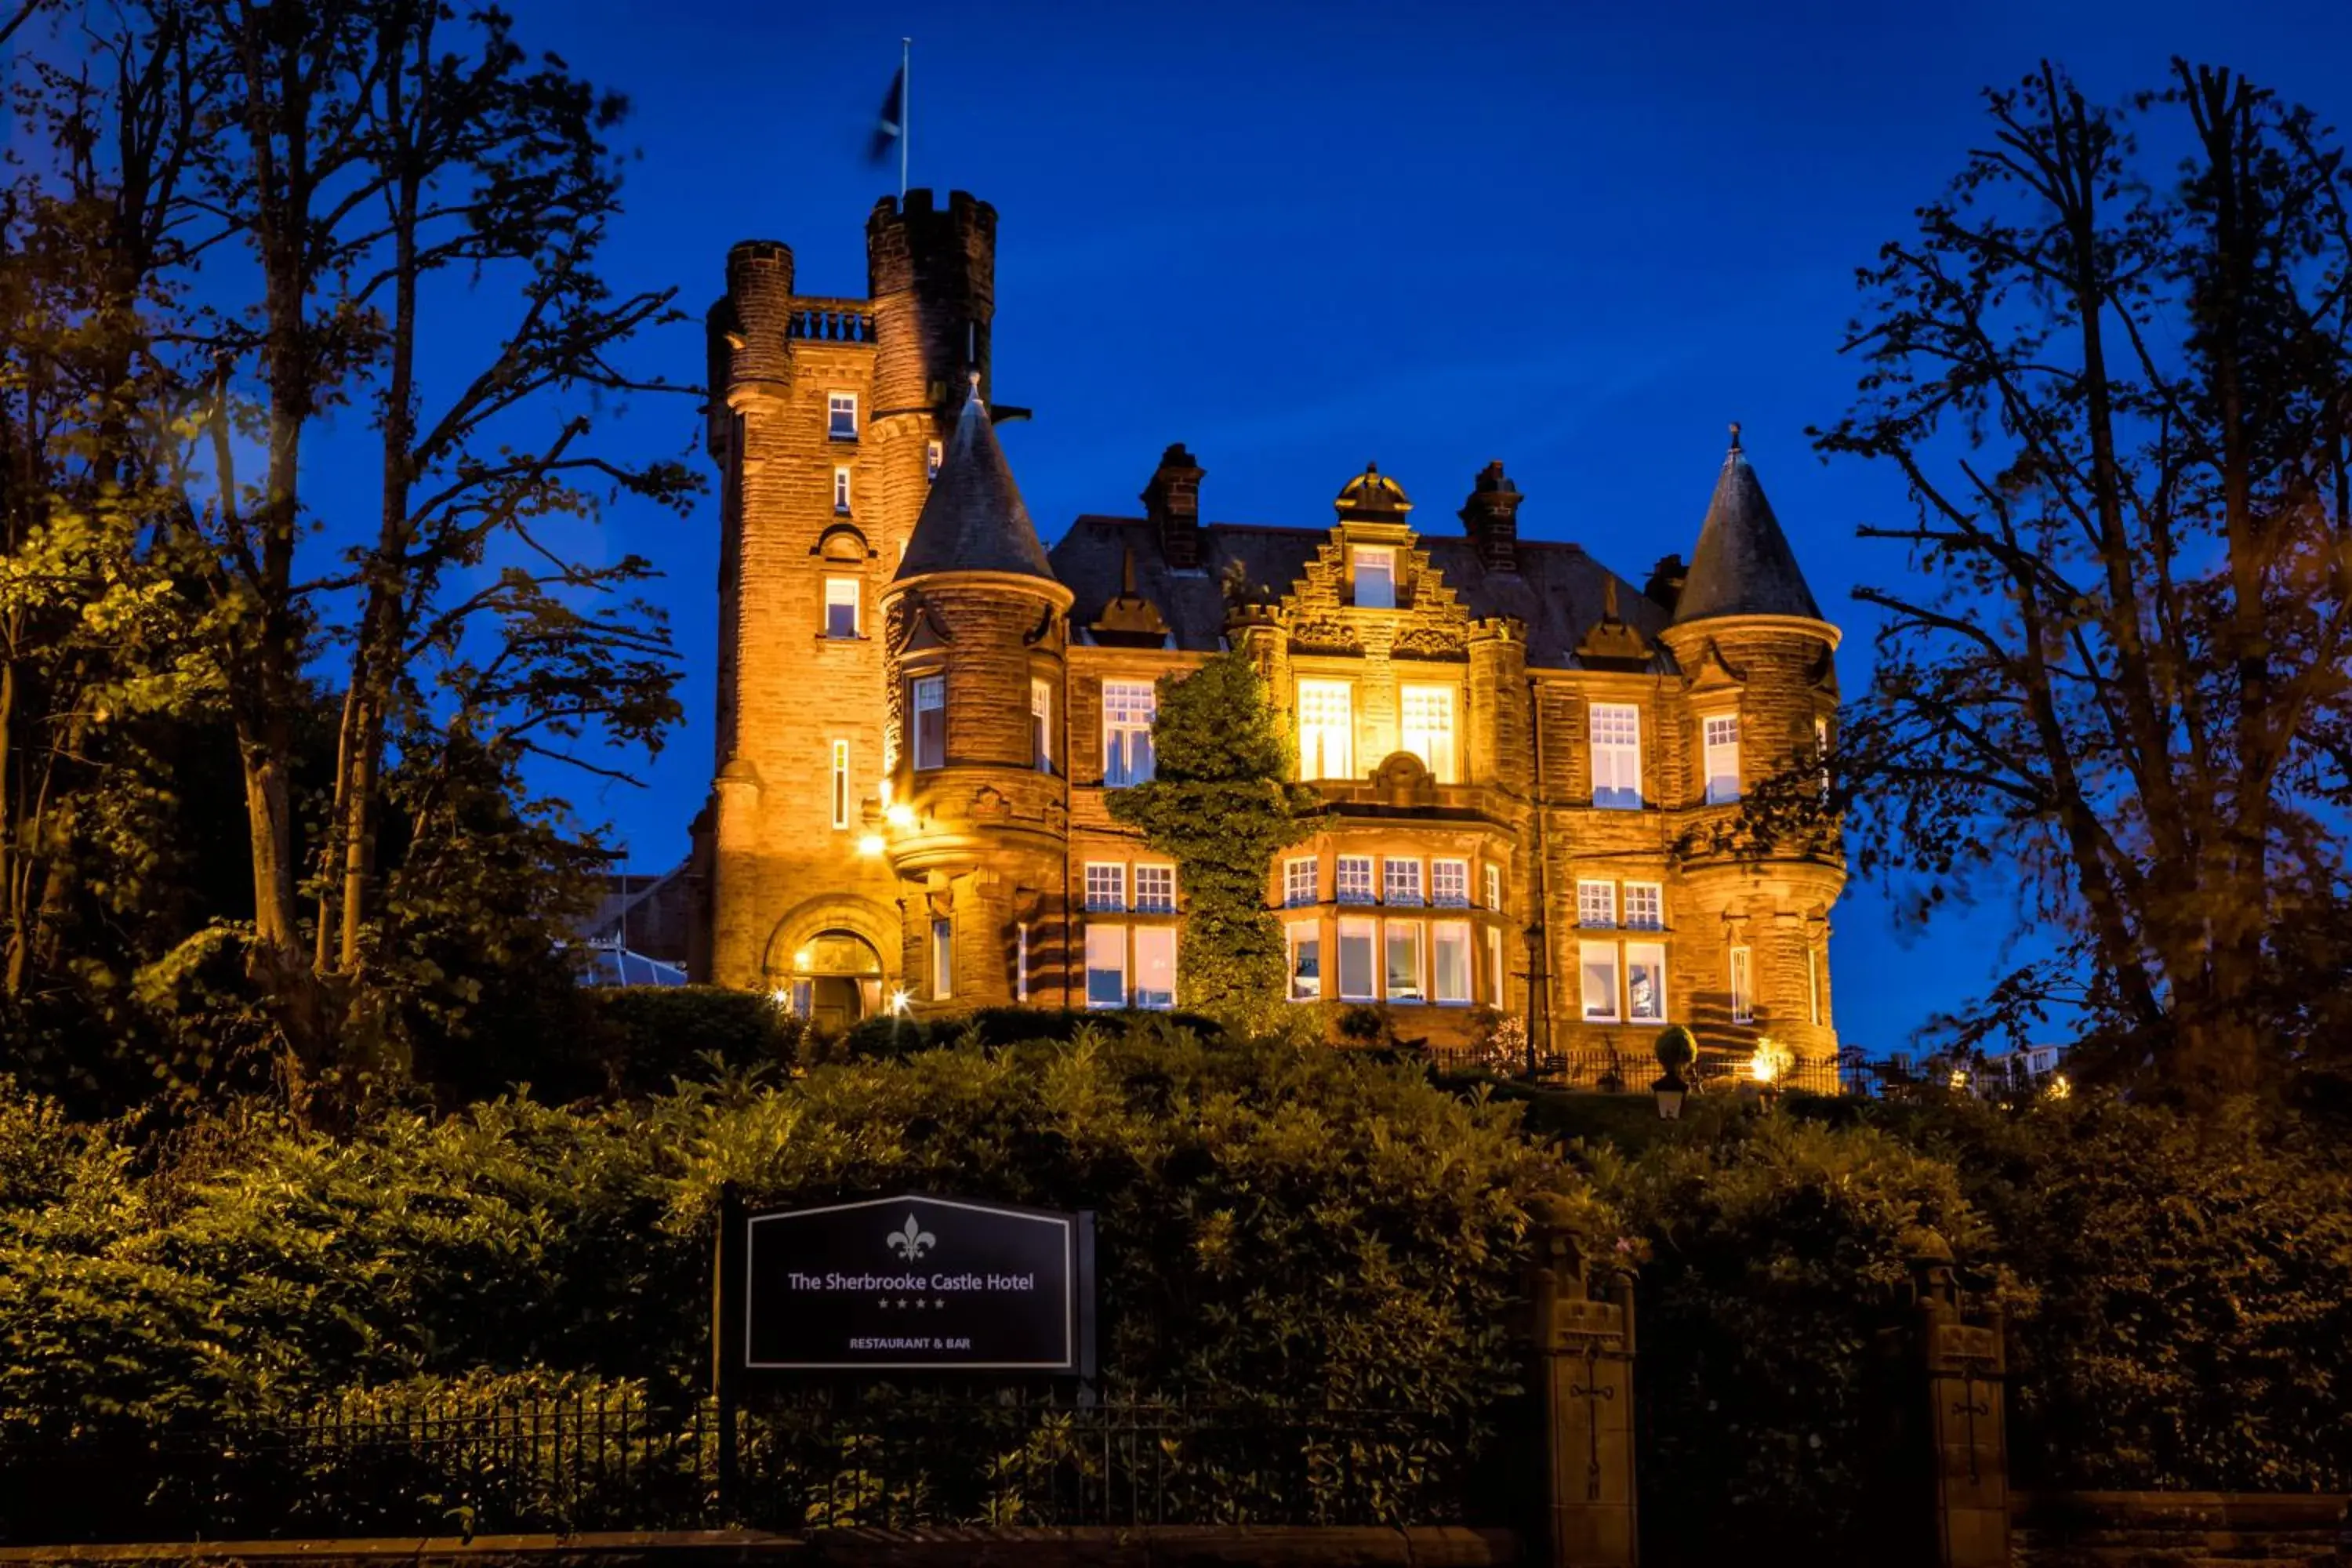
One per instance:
(869,844)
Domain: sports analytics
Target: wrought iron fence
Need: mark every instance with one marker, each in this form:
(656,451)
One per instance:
(819,1459)
(1717,1070)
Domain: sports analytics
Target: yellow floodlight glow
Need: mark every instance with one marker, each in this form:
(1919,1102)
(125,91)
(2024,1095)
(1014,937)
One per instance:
(2059,1087)
(869,844)
(1765,1065)
(898,998)
(901,816)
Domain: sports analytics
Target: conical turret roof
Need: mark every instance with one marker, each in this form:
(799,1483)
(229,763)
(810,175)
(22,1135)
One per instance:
(974,520)
(1743,565)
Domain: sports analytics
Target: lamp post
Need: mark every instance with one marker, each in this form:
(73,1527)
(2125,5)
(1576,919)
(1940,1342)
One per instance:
(1670,1089)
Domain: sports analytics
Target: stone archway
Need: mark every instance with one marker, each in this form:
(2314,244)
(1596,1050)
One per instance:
(825,961)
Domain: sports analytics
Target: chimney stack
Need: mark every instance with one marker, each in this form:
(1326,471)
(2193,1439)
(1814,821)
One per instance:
(1491,518)
(1172,502)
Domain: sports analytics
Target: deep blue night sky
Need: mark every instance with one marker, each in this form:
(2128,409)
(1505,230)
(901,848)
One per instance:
(1579,238)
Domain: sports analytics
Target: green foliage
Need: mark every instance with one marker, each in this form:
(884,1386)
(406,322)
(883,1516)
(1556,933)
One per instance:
(1220,807)
(1675,1048)
(648,1038)
(888,1039)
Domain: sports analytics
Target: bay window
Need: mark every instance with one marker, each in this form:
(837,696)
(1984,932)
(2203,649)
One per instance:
(1106,965)
(1403,962)
(1155,966)
(1305,961)
(1449,943)
(1356,938)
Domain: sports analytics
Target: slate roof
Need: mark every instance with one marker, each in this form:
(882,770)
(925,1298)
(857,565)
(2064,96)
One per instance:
(1558,591)
(974,518)
(1743,565)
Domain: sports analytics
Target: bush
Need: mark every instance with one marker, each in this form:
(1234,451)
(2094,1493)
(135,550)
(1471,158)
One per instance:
(650,1036)
(889,1038)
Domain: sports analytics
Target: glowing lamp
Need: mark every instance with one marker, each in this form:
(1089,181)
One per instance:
(898,998)
(2059,1087)
(902,816)
(869,844)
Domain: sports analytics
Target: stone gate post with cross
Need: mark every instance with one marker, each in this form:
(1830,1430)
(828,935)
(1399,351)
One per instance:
(1584,1385)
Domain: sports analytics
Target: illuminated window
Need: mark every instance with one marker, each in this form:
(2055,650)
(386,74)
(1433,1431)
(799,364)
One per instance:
(1822,749)
(1817,1005)
(1041,723)
(1494,965)
(1106,966)
(1616,736)
(1596,903)
(1645,982)
(1356,960)
(930,721)
(1326,729)
(1428,728)
(1449,947)
(1597,980)
(1722,733)
(1401,881)
(841,491)
(1155,966)
(1403,965)
(841,416)
(1375,577)
(942,959)
(1355,878)
(1494,887)
(1021,961)
(1644,906)
(1305,961)
(841,599)
(1128,710)
(1743,987)
(1449,884)
(1298,881)
(841,784)
(1106,885)
(1155,889)
(931,454)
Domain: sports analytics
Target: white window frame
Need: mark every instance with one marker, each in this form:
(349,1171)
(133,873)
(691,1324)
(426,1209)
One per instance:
(1428,733)
(1369,933)
(840,784)
(1128,708)
(844,594)
(840,490)
(1327,729)
(1110,877)
(1645,906)
(1648,957)
(1401,882)
(1454,935)
(837,406)
(928,694)
(1449,884)
(942,958)
(1613,737)
(1719,754)
(1159,872)
(1494,965)
(932,452)
(1415,933)
(1815,1011)
(1106,942)
(1155,949)
(1297,935)
(1603,955)
(1041,722)
(1742,979)
(1357,868)
(1021,961)
(1383,558)
(1302,881)
(1494,886)
(1596,904)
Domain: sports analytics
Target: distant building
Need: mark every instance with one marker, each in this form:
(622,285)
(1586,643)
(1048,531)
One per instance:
(923,712)
(641,931)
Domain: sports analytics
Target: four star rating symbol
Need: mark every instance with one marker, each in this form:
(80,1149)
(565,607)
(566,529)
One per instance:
(902,1304)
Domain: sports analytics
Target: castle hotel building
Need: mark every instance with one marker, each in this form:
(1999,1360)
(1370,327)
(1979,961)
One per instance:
(924,713)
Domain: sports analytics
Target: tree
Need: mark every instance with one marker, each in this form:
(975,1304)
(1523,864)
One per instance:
(2116,678)
(1219,806)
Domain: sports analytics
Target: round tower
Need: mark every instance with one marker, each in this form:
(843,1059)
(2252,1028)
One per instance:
(977,827)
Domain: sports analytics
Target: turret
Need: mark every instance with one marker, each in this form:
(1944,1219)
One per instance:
(932,277)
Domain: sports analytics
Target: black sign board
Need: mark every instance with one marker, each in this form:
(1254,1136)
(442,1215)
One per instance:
(911,1284)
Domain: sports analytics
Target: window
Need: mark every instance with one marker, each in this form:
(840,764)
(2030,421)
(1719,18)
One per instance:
(1155,889)
(1355,878)
(1494,887)
(1041,723)
(1106,966)
(1401,882)
(1356,960)
(1722,734)
(931,454)
(942,959)
(1815,1006)
(841,597)
(1645,982)
(1021,961)
(1375,577)
(1298,882)
(1305,961)
(1644,906)
(841,416)
(1128,710)
(1403,964)
(841,492)
(841,784)
(1494,965)
(1106,886)
(1449,884)
(1616,735)
(1155,966)
(1743,986)
(1449,947)
(1326,747)
(1822,749)
(1597,978)
(930,721)
(1596,903)
(1429,728)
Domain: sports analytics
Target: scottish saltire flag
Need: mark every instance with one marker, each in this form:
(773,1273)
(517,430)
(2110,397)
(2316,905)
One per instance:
(891,123)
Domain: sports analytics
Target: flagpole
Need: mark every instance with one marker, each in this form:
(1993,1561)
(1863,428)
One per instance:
(906,93)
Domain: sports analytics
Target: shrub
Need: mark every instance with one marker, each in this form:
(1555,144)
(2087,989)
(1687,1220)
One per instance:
(649,1037)
(889,1038)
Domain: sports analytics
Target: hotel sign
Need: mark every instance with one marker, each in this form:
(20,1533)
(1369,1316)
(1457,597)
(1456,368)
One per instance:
(912,1283)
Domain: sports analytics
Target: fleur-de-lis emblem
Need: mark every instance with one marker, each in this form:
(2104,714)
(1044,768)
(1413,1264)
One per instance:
(912,1241)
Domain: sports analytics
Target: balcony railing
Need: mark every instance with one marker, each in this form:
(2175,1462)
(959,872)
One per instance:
(831,320)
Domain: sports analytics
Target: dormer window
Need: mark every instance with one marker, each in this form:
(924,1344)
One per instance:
(1375,577)
(841,416)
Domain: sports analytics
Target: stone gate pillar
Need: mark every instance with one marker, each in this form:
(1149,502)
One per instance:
(1584,1385)
(1945,1500)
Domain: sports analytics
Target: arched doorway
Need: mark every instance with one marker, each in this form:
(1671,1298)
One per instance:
(836,979)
